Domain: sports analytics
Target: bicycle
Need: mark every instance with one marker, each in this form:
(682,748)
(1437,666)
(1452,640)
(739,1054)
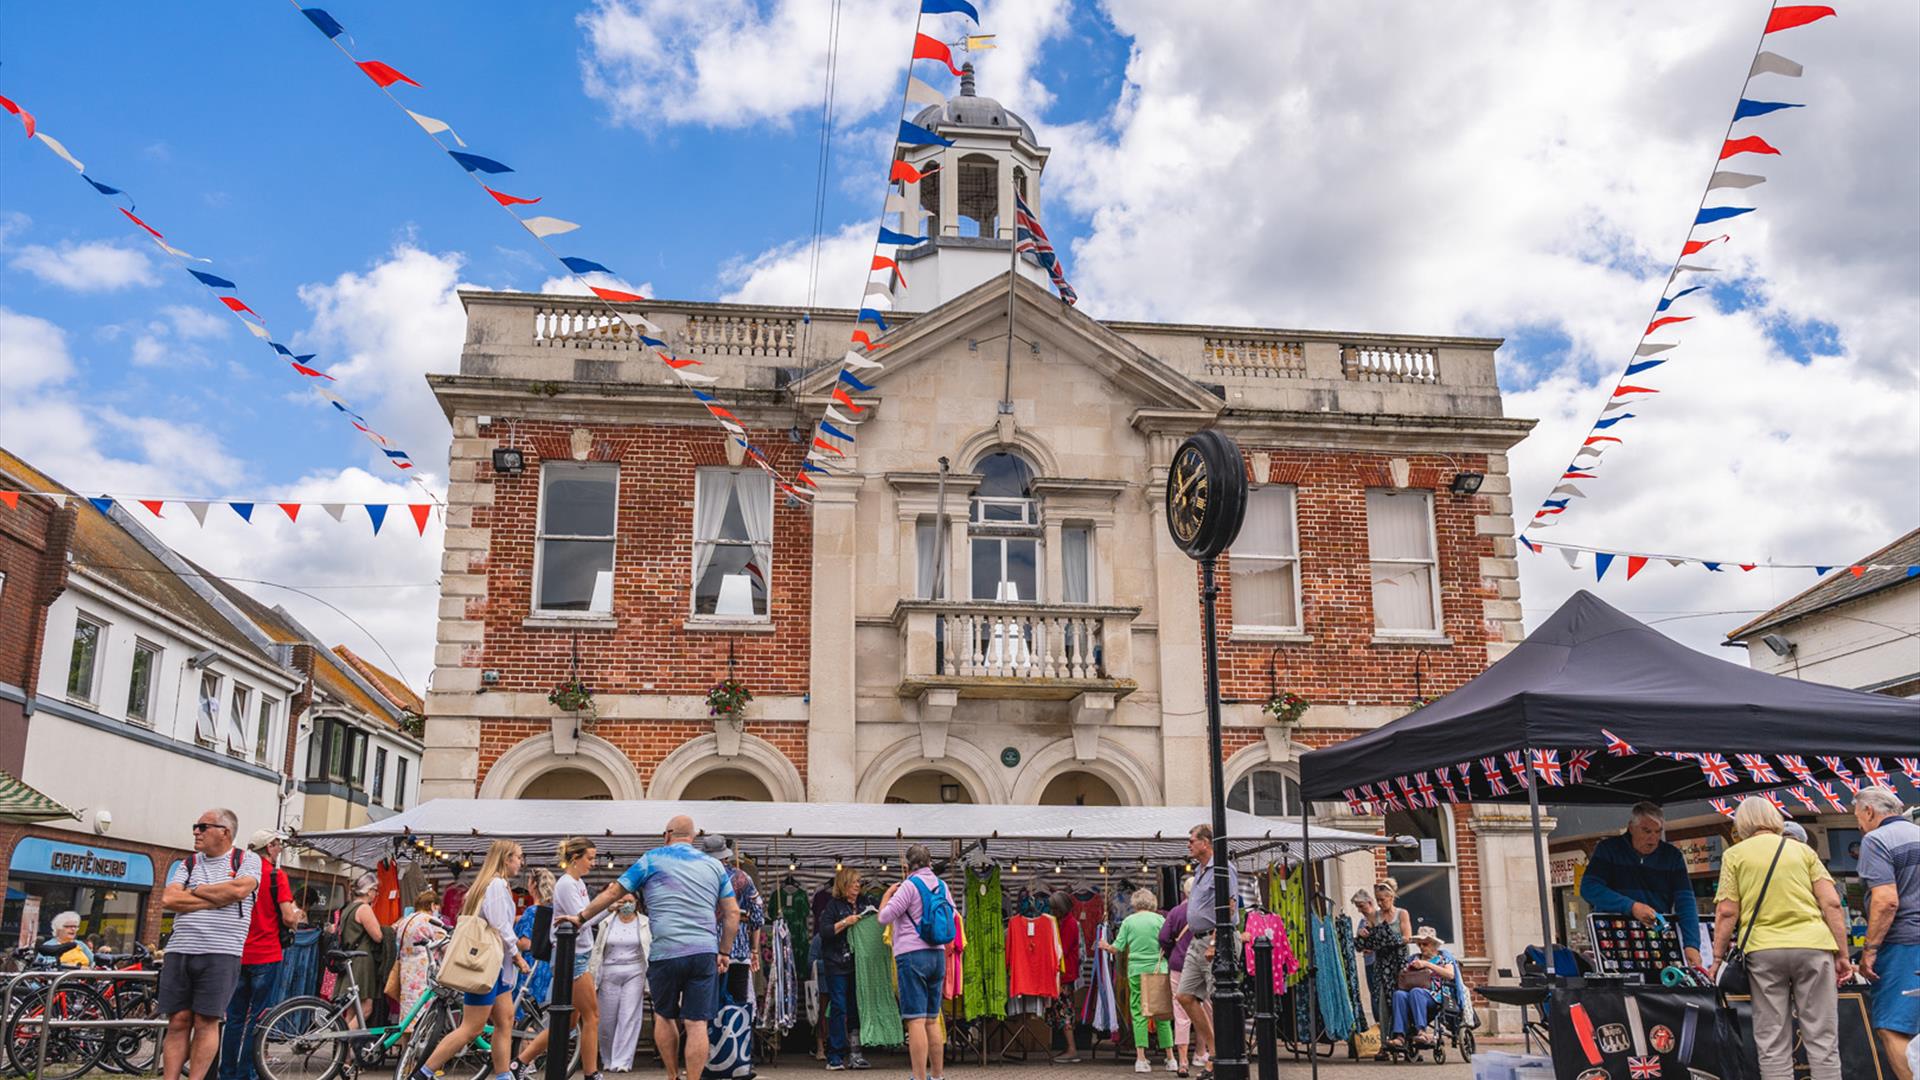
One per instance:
(311,1038)
(73,1052)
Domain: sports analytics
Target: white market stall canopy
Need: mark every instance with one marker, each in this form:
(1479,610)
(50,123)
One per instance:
(821,834)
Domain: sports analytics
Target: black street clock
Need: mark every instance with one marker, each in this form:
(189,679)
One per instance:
(1206,495)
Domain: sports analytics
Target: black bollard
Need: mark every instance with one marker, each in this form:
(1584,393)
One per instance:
(1263,1034)
(560,1012)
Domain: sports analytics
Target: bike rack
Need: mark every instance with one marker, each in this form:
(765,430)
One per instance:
(59,977)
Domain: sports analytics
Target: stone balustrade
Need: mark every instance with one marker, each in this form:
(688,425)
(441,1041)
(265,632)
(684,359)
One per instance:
(997,649)
(1390,363)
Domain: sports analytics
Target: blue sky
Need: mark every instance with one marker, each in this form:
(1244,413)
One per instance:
(1356,164)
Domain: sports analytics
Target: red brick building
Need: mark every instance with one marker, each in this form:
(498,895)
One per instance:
(982,603)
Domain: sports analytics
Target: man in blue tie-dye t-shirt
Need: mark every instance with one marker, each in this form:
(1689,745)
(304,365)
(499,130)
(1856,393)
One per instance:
(684,891)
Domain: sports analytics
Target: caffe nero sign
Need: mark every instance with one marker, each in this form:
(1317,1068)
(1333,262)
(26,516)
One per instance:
(52,858)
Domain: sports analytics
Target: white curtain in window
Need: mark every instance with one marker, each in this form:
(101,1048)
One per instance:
(207,720)
(1263,593)
(1076,562)
(711,488)
(926,550)
(1269,528)
(755,492)
(1399,525)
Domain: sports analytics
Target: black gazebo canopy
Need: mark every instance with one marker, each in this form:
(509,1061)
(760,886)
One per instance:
(1590,671)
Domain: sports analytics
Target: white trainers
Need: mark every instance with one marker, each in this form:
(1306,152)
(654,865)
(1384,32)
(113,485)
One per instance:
(1172,1065)
(1142,1065)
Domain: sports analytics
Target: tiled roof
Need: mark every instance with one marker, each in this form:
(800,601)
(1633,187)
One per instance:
(383,680)
(1841,586)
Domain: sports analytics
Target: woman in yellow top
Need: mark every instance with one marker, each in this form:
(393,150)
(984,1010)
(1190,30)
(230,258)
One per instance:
(1794,937)
(1139,938)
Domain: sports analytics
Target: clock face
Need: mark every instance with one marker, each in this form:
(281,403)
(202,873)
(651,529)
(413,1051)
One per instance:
(1188,487)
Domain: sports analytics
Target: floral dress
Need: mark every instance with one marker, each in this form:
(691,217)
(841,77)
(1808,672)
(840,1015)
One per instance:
(416,932)
(1389,958)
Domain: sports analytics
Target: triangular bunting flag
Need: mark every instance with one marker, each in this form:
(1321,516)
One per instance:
(11,498)
(102,504)
(1572,557)
(1786,18)
(1749,108)
(1634,564)
(383,74)
(60,148)
(292,510)
(927,48)
(476,163)
(199,511)
(914,135)
(435,127)
(615,296)
(922,94)
(153,506)
(420,512)
(505,199)
(544,227)
(1601,561)
(245,510)
(1734,180)
(859,363)
(334,510)
(1774,64)
(376,513)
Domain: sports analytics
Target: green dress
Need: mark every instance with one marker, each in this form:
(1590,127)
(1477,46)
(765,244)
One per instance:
(983,974)
(1139,938)
(873,984)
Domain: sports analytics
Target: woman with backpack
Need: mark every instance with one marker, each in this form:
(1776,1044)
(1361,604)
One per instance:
(920,910)
(490,900)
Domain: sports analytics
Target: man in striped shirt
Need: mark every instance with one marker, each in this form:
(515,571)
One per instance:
(211,896)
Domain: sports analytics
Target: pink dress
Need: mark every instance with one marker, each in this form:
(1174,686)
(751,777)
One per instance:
(1261,924)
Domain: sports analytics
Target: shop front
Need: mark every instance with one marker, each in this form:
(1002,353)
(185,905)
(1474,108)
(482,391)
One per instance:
(109,887)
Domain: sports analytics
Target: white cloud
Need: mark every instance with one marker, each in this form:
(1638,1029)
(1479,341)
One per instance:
(728,63)
(780,275)
(33,352)
(95,266)
(196,323)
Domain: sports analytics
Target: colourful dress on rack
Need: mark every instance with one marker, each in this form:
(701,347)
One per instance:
(873,985)
(1033,956)
(1101,1011)
(1330,982)
(1273,927)
(1289,902)
(985,981)
(1343,935)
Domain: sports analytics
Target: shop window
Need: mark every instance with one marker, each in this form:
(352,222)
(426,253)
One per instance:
(1265,562)
(732,543)
(206,719)
(239,719)
(1266,792)
(83,670)
(337,753)
(400,784)
(1426,872)
(379,789)
(573,564)
(146,663)
(263,732)
(1400,551)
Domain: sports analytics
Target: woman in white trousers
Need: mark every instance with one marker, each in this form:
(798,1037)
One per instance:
(620,972)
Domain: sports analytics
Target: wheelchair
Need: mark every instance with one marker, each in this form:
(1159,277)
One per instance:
(1449,1024)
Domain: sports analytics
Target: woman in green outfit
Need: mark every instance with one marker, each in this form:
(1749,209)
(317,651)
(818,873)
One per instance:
(1139,939)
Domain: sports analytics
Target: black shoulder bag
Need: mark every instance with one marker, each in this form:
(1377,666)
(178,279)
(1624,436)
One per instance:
(1734,976)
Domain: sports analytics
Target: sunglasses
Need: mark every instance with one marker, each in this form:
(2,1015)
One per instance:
(202,826)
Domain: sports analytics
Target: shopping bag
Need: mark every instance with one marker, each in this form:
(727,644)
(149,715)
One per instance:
(1156,996)
(473,957)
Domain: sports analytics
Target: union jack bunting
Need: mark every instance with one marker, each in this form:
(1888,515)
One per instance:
(1578,762)
(1491,768)
(1797,765)
(1840,770)
(1465,769)
(1547,764)
(1446,783)
(1643,1068)
(1406,789)
(1029,236)
(1353,801)
(1426,789)
(1717,771)
(1871,769)
(1516,767)
(1910,766)
(1368,797)
(1774,798)
(1617,746)
(1758,768)
(1833,798)
(1800,795)
(1722,806)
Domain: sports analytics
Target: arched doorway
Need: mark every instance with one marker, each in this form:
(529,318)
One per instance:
(727,785)
(929,786)
(565,783)
(1079,789)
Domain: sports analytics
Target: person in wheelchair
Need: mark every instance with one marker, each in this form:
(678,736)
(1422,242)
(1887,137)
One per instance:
(1429,987)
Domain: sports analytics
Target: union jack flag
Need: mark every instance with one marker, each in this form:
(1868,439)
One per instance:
(1547,764)
(1406,789)
(1491,767)
(1797,765)
(1871,769)
(1367,796)
(1029,236)
(1910,766)
(1722,806)
(1800,794)
(1353,801)
(1643,1068)
(1465,769)
(1426,788)
(1578,762)
(1840,770)
(1826,792)
(1516,766)
(1758,768)
(1717,771)
(1446,783)
(1774,798)
(1617,746)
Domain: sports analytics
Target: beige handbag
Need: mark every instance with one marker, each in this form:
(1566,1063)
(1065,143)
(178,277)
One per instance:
(1366,1042)
(1156,996)
(474,955)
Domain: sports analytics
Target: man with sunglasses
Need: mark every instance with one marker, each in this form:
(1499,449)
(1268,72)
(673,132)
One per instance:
(210,894)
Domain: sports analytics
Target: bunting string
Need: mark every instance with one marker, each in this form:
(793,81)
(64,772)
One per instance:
(244,509)
(1636,561)
(1664,327)
(226,292)
(615,301)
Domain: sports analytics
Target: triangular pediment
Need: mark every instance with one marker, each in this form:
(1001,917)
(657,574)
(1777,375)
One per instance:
(980,315)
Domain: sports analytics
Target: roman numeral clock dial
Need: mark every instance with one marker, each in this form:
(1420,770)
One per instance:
(1206,494)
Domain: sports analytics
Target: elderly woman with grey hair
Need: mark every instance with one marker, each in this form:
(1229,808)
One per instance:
(65,947)
(1793,934)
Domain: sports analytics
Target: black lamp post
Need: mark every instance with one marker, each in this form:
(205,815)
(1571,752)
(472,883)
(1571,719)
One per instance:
(1206,502)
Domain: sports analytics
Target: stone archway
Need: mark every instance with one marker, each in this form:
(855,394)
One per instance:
(565,783)
(1132,781)
(929,785)
(1075,787)
(979,775)
(727,785)
(758,759)
(525,763)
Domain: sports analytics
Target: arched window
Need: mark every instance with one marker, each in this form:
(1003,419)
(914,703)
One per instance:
(1427,871)
(979,193)
(1005,531)
(1266,792)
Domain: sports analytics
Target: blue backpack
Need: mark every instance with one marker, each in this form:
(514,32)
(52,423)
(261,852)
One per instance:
(936,913)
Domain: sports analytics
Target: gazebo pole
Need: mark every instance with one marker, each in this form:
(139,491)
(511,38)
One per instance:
(1539,861)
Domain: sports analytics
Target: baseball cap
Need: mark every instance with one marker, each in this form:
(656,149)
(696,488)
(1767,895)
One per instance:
(262,837)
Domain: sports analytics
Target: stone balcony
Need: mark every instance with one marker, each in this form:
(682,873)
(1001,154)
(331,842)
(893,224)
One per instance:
(1039,652)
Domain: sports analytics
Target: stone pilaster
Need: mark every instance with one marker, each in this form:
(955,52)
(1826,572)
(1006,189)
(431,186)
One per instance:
(830,742)
(1509,891)
(450,766)
(1501,572)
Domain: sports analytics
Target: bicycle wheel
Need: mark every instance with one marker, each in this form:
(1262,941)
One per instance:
(471,1062)
(71,1052)
(135,1049)
(303,1038)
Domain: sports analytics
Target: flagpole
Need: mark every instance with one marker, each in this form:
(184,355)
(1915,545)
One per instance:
(1013,278)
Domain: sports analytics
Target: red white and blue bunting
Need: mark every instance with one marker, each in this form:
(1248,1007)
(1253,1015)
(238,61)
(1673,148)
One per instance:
(1604,559)
(226,292)
(244,509)
(1664,328)
(598,279)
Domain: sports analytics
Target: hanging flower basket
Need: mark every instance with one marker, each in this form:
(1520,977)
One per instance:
(1287,708)
(573,696)
(728,699)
